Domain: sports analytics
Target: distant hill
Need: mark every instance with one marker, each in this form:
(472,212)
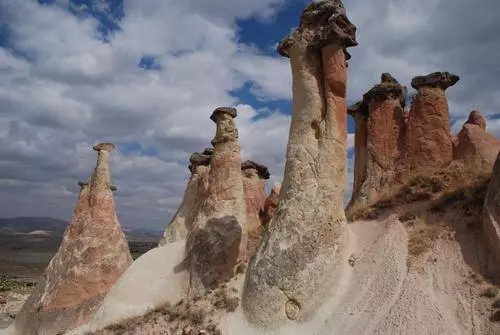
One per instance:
(57,226)
(29,224)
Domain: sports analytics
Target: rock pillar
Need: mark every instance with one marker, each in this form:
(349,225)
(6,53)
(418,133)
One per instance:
(298,262)
(429,135)
(385,139)
(270,204)
(359,113)
(254,184)
(194,195)
(92,256)
(218,241)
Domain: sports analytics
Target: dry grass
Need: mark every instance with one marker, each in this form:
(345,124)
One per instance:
(490,292)
(422,238)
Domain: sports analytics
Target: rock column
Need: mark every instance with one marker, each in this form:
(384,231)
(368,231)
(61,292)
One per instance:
(254,184)
(92,256)
(429,135)
(194,195)
(298,262)
(359,113)
(218,241)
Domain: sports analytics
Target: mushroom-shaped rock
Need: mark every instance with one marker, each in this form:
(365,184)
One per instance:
(301,252)
(429,137)
(104,146)
(222,211)
(92,256)
(380,138)
(226,129)
(474,146)
(442,80)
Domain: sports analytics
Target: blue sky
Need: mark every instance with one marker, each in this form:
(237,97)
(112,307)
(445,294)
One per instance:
(147,74)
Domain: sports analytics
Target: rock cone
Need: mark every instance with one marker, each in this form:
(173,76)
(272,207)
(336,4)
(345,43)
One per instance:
(295,267)
(92,256)
(474,146)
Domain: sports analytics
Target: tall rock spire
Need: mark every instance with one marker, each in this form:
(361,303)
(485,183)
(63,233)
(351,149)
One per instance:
(218,240)
(380,139)
(92,256)
(429,135)
(298,262)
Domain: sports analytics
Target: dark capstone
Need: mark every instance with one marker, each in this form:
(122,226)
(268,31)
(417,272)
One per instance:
(328,20)
(388,88)
(359,107)
(262,170)
(213,251)
(104,146)
(82,183)
(197,159)
(231,111)
(208,151)
(442,80)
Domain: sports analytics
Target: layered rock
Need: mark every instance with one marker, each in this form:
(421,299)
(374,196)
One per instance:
(474,146)
(254,185)
(297,264)
(270,205)
(491,214)
(194,195)
(92,256)
(429,135)
(218,240)
(379,140)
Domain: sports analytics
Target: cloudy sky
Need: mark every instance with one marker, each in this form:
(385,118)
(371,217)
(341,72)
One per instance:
(146,75)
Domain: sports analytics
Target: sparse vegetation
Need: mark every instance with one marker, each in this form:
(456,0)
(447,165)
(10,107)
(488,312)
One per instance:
(9,285)
(222,300)
(490,292)
(422,238)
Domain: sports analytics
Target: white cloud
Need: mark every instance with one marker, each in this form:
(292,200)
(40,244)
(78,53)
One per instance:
(79,90)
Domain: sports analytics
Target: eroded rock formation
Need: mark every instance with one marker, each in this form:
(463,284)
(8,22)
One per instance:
(254,185)
(270,204)
(218,240)
(474,146)
(429,135)
(379,139)
(296,267)
(491,214)
(194,195)
(92,256)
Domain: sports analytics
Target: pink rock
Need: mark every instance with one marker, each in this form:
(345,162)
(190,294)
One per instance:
(475,147)
(92,256)
(429,136)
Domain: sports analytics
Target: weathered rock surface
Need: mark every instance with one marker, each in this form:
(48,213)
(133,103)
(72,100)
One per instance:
(270,204)
(491,214)
(429,136)
(379,140)
(475,147)
(92,256)
(254,185)
(194,195)
(218,240)
(296,266)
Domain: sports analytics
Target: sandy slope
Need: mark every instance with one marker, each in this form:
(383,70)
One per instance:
(388,290)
